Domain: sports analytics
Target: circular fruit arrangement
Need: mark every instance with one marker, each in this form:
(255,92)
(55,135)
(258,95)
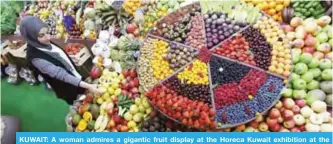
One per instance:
(214,68)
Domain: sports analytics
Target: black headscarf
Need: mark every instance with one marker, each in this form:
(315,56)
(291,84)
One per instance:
(29,28)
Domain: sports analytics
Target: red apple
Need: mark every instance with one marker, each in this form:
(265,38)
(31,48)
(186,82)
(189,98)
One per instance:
(301,128)
(288,103)
(274,113)
(282,129)
(110,112)
(271,122)
(124,92)
(280,119)
(287,114)
(116,118)
(254,124)
(300,102)
(295,109)
(114,130)
(130,28)
(287,28)
(278,105)
(289,124)
(295,129)
(275,128)
(310,50)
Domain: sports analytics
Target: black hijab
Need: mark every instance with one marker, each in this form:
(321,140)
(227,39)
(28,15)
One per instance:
(29,29)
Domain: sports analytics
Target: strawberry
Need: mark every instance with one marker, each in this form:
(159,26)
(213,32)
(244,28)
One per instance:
(184,121)
(196,124)
(186,114)
(212,112)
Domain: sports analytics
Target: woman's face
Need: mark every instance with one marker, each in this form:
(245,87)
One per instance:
(43,37)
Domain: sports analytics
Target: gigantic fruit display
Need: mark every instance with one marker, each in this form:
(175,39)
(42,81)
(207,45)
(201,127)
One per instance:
(217,73)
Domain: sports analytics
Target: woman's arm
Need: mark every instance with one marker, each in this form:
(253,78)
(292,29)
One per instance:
(59,73)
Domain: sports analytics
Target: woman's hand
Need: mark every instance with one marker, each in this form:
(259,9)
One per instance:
(91,87)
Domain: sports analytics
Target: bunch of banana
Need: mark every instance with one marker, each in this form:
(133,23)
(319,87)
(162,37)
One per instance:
(111,16)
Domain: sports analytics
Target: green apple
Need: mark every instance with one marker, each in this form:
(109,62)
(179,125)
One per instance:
(299,84)
(299,94)
(305,58)
(295,77)
(314,95)
(312,85)
(296,52)
(314,63)
(249,129)
(327,74)
(322,37)
(286,92)
(307,77)
(325,64)
(295,59)
(300,68)
(316,72)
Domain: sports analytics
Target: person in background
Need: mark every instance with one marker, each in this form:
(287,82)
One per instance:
(51,62)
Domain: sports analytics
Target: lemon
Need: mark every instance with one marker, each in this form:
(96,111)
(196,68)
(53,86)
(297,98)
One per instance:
(111,90)
(117,92)
(105,96)
(131,124)
(115,85)
(100,100)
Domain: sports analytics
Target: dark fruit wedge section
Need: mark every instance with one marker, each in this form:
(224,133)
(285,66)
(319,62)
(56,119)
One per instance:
(259,47)
(226,71)
(176,26)
(218,27)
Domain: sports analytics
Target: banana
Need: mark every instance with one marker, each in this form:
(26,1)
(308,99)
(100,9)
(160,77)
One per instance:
(103,106)
(98,122)
(104,123)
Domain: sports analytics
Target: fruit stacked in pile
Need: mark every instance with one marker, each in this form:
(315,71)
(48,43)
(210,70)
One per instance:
(258,46)
(74,32)
(51,22)
(271,7)
(196,37)
(161,67)
(237,48)
(312,77)
(281,48)
(219,27)
(291,115)
(130,84)
(130,6)
(178,31)
(178,56)
(73,48)
(188,112)
(196,73)
(147,79)
(111,111)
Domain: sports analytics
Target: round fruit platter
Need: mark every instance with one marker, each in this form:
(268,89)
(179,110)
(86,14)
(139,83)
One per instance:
(214,68)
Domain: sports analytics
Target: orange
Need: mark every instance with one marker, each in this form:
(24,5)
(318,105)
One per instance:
(272,4)
(264,6)
(286,3)
(279,7)
(275,17)
(286,73)
(271,11)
